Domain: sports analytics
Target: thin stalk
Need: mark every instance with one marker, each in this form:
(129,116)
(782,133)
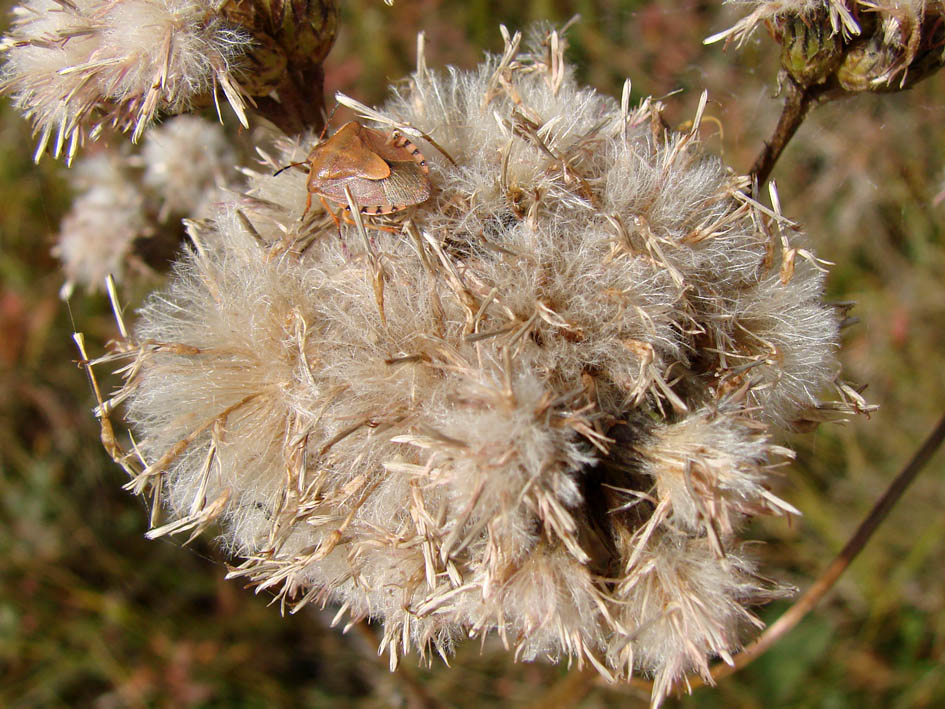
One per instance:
(567,691)
(414,691)
(797,104)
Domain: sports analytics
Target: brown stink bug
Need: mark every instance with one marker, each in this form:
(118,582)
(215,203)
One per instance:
(384,173)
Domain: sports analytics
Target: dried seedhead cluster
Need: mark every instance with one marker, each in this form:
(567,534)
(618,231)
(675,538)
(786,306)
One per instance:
(129,202)
(539,404)
(78,67)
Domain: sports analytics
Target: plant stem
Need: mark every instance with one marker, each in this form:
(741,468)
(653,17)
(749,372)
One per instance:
(414,691)
(797,103)
(301,104)
(568,690)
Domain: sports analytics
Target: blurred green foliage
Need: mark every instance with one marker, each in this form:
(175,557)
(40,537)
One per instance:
(91,614)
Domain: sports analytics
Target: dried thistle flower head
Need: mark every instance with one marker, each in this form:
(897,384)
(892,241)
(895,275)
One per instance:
(97,234)
(186,160)
(76,67)
(126,193)
(297,34)
(539,404)
(851,46)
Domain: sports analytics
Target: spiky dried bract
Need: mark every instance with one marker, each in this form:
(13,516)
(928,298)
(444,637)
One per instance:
(850,46)
(97,234)
(541,407)
(76,67)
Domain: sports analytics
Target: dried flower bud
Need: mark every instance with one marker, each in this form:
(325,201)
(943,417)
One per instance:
(810,51)
(291,39)
(303,29)
(542,406)
(894,54)
(852,46)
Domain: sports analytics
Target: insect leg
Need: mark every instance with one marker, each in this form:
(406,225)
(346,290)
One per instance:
(328,209)
(308,206)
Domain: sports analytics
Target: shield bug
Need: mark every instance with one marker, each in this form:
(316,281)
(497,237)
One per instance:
(384,173)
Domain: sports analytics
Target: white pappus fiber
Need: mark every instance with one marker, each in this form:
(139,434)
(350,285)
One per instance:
(538,404)
(128,200)
(187,160)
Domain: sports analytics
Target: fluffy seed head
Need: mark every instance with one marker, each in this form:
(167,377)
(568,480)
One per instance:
(185,161)
(75,68)
(97,234)
(125,193)
(539,403)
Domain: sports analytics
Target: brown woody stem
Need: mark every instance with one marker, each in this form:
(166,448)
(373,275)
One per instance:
(415,693)
(797,103)
(567,691)
(301,104)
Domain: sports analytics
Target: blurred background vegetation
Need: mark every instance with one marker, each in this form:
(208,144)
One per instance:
(92,614)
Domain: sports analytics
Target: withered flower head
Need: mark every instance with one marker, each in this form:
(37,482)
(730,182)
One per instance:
(125,218)
(286,33)
(75,67)
(540,403)
(97,234)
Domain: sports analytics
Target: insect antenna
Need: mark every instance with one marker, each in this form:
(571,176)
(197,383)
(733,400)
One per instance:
(291,164)
(327,120)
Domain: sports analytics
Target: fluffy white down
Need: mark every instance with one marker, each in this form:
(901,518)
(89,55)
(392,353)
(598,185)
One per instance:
(76,68)
(525,408)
